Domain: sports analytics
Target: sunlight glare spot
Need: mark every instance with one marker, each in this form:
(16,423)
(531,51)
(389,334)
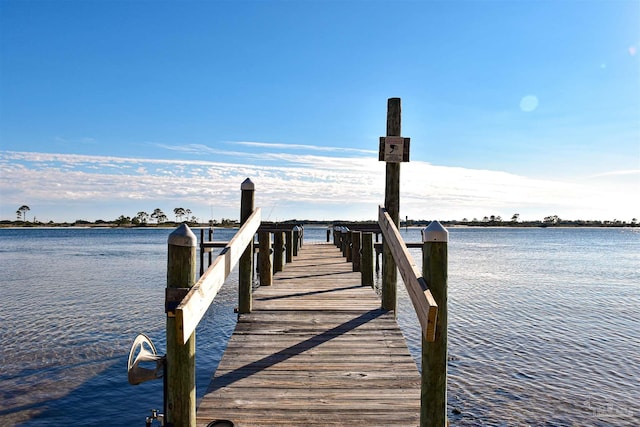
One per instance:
(633,50)
(529,103)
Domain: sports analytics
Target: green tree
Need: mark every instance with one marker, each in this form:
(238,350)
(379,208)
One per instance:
(123,220)
(142,217)
(179,212)
(158,215)
(24,209)
(515,217)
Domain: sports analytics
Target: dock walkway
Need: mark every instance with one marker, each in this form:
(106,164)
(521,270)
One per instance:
(315,350)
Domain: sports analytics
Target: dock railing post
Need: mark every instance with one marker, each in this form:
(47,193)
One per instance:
(278,249)
(433,407)
(344,232)
(296,240)
(245,266)
(301,238)
(288,246)
(181,358)
(355,250)
(392,205)
(202,250)
(366,260)
(264,257)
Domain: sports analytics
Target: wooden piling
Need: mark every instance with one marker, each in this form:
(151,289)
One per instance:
(355,250)
(264,257)
(278,251)
(295,240)
(343,241)
(245,266)
(392,205)
(366,259)
(202,251)
(433,410)
(288,246)
(181,361)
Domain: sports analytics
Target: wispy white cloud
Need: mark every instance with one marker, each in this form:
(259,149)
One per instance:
(302,186)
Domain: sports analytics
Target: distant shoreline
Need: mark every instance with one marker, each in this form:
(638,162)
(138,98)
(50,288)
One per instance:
(403,224)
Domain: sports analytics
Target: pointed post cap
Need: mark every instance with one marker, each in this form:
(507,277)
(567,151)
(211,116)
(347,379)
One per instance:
(183,236)
(297,228)
(435,232)
(247,185)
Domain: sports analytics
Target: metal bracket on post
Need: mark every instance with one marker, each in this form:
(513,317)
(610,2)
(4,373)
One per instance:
(172,298)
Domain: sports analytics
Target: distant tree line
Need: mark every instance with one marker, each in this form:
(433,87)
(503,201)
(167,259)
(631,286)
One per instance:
(158,217)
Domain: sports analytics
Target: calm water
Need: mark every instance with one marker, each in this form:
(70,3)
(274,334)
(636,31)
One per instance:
(543,328)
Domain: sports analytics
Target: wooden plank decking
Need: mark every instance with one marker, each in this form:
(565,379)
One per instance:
(316,350)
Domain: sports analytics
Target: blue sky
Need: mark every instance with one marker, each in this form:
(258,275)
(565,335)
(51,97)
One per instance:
(116,107)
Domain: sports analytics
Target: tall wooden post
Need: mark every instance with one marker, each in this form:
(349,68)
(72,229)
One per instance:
(264,257)
(288,249)
(392,205)
(355,250)
(202,250)
(433,408)
(366,260)
(343,240)
(245,266)
(278,249)
(296,240)
(181,358)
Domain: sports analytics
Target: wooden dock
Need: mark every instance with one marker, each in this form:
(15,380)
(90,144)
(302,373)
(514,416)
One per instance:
(316,349)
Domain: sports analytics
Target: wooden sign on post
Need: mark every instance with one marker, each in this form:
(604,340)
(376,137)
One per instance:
(394,149)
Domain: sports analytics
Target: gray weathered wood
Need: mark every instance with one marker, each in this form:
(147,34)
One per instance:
(295,240)
(245,268)
(288,246)
(197,301)
(278,251)
(421,298)
(366,259)
(433,412)
(392,204)
(355,250)
(316,350)
(181,368)
(264,257)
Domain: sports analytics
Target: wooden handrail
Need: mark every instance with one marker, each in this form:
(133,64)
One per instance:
(195,304)
(417,288)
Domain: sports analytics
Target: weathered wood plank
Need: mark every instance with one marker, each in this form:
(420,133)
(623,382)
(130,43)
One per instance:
(418,290)
(197,301)
(317,349)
